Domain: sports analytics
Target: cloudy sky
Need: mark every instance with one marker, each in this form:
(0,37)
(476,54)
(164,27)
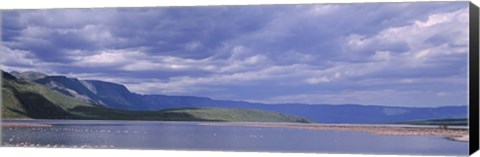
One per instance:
(397,54)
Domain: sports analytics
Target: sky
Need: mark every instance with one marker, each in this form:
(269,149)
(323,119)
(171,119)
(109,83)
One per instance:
(393,54)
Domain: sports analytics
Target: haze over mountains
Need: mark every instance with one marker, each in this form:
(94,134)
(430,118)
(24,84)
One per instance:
(114,96)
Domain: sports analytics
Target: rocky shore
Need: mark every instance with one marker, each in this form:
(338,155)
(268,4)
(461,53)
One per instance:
(456,134)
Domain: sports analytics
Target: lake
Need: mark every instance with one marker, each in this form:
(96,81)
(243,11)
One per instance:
(192,136)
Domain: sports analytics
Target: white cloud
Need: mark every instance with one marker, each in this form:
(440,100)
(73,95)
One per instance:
(69,17)
(106,58)
(22,60)
(187,84)
(90,34)
(96,34)
(356,40)
(435,19)
(135,60)
(451,23)
(428,41)
(422,54)
(170,63)
(318,80)
(10,56)
(324,9)
(143,65)
(340,72)
(36,31)
(238,64)
(129,60)
(382,56)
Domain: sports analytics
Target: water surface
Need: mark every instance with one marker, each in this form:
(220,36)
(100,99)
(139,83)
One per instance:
(191,136)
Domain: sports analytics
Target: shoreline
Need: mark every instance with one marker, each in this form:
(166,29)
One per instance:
(9,124)
(454,134)
(464,138)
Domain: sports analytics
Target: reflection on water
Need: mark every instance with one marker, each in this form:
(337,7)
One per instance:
(190,136)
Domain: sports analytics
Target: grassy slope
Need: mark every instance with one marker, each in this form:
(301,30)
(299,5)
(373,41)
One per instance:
(244,115)
(188,114)
(23,99)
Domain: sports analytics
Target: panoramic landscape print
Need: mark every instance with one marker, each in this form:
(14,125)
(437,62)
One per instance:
(372,78)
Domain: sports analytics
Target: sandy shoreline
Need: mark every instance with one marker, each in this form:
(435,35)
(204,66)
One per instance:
(452,134)
(8,124)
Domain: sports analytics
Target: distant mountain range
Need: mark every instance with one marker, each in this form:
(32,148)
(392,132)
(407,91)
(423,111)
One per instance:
(114,96)
(24,99)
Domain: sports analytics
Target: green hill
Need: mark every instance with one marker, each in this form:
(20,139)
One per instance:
(24,99)
(187,114)
(244,115)
(117,96)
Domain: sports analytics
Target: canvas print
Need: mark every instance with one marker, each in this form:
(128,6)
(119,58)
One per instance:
(368,78)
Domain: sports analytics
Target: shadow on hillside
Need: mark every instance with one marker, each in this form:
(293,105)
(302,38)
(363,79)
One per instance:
(38,107)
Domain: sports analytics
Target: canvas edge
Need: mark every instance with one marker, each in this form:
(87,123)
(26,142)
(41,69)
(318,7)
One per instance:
(473,119)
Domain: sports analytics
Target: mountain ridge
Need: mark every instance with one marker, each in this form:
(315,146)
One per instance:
(25,99)
(117,96)
(30,75)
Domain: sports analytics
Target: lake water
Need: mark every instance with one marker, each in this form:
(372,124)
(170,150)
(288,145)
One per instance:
(191,136)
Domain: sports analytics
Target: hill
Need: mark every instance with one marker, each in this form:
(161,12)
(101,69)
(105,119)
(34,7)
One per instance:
(29,75)
(116,96)
(104,93)
(24,99)
(187,114)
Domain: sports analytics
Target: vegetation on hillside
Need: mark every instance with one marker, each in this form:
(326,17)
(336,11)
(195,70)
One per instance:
(60,97)
(24,99)
(187,114)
